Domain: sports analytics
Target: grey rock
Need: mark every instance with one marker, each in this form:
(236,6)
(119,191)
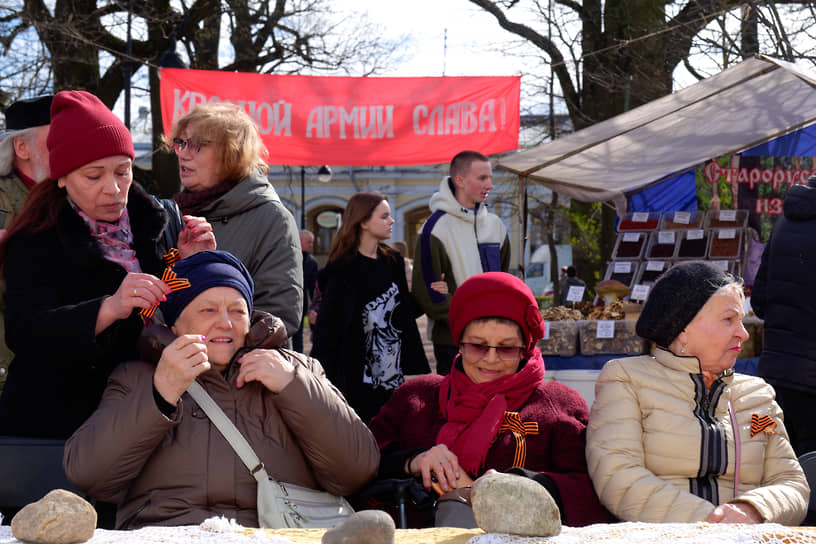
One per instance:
(364,527)
(506,503)
(61,517)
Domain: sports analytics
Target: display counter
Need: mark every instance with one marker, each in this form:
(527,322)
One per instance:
(581,371)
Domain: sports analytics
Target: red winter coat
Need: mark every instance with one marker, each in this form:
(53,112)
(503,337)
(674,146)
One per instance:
(411,419)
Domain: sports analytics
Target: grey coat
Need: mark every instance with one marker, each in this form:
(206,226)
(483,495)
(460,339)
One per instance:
(250,222)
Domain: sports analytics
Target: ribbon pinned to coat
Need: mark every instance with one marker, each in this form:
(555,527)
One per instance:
(763,424)
(520,429)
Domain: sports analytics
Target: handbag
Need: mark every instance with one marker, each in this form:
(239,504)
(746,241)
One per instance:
(281,505)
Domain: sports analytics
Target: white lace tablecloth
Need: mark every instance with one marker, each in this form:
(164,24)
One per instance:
(660,533)
(619,533)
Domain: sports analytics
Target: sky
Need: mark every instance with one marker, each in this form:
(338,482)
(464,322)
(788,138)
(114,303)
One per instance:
(472,36)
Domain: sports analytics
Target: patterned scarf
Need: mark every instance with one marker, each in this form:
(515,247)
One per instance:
(475,412)
(114,239)
(191,202)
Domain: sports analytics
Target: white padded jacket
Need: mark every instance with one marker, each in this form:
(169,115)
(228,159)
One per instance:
(660,445)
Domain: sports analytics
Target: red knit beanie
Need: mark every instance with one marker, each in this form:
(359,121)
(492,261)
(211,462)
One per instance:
(83,130)
(496,294)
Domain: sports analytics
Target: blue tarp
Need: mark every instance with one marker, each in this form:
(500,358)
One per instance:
(801,143)
(675,194)
(679,193)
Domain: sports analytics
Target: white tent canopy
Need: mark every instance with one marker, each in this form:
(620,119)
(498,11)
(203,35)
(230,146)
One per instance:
(743,106)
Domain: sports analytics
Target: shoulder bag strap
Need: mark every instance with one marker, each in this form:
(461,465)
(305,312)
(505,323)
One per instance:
(269,515)
(229,430)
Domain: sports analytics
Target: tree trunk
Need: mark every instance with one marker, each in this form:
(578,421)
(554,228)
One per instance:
(165,163)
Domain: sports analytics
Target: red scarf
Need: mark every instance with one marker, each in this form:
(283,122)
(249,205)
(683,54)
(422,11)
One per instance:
(27,181)
(474,412)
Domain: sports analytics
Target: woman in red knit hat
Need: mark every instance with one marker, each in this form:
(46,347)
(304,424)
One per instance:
(494,410)
(80,262)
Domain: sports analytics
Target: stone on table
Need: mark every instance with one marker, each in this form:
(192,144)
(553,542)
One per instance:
(506,503)
(61,517)
(364,527)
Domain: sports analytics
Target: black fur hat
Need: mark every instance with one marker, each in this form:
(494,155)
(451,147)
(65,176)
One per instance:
(29,113)
(676,298)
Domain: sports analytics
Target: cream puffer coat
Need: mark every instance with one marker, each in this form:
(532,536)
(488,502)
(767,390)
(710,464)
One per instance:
(658,441)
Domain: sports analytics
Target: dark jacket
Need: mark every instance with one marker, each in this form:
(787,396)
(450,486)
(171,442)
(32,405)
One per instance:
(180,470)
(56,281)
(340,349)
(784,295)
(411,419)
(310,269)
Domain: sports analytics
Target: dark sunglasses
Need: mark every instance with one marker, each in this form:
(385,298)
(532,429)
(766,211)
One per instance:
(480,351)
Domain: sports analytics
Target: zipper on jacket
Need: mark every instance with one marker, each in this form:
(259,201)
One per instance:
(713,440)
(476,236)
(475,227)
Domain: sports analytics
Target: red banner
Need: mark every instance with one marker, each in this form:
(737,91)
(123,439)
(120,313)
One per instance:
(358,121)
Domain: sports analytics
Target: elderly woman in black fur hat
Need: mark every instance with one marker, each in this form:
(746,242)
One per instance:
(678,436)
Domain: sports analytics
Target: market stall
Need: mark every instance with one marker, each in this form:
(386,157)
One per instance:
(577,344)
(647,162)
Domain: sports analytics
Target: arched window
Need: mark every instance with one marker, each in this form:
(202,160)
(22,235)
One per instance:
(326,222)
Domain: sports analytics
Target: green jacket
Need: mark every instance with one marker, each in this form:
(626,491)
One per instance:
(13,193)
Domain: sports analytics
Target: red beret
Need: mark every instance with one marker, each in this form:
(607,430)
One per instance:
(496,294)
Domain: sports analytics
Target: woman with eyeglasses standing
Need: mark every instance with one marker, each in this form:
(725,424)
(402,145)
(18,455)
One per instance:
(81,261)
(493,411)
(223,176)
(366,336)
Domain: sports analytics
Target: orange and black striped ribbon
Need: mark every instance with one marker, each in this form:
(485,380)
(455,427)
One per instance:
(172,257)
(170,278)
(763,424)
(520,429)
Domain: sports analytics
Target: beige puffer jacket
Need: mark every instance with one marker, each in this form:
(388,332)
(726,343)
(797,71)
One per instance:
(652,427)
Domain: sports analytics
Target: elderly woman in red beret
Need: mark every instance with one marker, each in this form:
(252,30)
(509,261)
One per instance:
(494,410)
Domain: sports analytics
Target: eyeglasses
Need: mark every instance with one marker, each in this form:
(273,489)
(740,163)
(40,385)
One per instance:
(194,144)
(479,351)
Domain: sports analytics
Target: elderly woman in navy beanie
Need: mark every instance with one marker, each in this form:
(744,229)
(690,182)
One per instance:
(677,436)
(149,447)
(81,260)
(494,410)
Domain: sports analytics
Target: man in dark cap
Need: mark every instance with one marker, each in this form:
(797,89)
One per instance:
(23,163)
(23,153)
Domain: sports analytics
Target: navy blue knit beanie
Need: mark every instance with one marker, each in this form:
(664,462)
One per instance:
(676,298)
(204,270)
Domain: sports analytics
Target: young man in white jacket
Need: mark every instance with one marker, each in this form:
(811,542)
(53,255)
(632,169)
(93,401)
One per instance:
(460,239)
